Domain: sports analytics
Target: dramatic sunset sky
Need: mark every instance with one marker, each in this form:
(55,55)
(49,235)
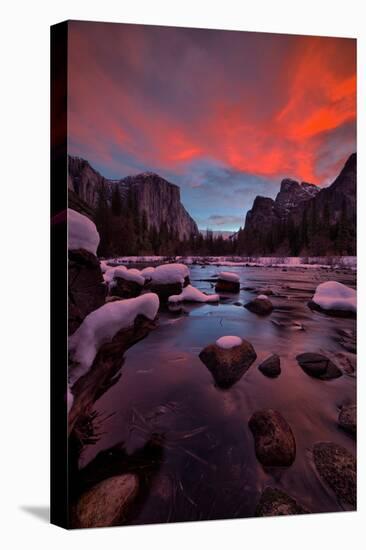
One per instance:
(225,115)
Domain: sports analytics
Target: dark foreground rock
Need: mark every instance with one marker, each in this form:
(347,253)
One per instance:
(227,286)
(332,312)
(337,467)
(107,503)
(125,289)
(227,366)
(273,439)
(274,502)
(87,290)
(271,367)
(166,290)
(260,306)
(347,419)
(318,366)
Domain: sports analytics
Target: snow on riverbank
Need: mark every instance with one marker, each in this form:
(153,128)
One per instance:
(191,294)
(101,325)
(336,262)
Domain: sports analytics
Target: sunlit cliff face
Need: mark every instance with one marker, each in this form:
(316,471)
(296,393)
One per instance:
(225,115)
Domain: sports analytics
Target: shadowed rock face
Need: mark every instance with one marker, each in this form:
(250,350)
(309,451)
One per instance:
(227,366)
(260,306)
(305,219)
(273,439)
(86,287)
(274,502)
(154,195)
(338,468)
(271,367)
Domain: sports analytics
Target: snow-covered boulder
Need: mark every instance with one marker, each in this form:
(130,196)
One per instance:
(169,279)
(227,281)
(228,359)
(82,232)
(102,325)
(147,273)
(191,294)
(335,299)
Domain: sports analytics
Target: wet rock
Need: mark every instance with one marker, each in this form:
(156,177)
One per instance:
(337,467)
(260,306)
(227,366)
(271,366)
(107,503)
(348,340)
(318,366)
(274,502)
(266,292)
(273,439)
(347,418)
(332,312)
(227,286)
(237,304)
(125,289)
(166,290)
(87,290)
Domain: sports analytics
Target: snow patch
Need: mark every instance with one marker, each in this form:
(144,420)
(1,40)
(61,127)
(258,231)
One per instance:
(228,342)
(334,295)
(191,294)
(82,232)
(133,275)
(102,324)
(170,273)
(262,297)
(229,276)
(147,272)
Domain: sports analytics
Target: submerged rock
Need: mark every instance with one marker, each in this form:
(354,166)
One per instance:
(337,467)
(87,290)
(228,365)
(318,366)
(107,503)
(273,438)
(228,282)
(274,502)
(347,418)
(271,366)
(260,306)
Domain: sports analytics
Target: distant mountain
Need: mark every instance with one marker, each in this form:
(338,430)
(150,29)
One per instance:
(304,219)
(155,200)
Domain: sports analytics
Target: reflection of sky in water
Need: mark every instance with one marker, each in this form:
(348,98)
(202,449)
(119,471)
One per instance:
(165,381)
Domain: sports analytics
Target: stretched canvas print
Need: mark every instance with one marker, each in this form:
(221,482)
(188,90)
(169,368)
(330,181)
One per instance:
(204,274)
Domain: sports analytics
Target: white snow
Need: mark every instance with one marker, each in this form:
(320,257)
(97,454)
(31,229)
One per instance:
(147,272)
(82,232)
(170,273)
(229,276)
(191,294)
(102,324)
(228,342)
(108,275)
(133,275)
(103,266)
(262,297)
(334,295)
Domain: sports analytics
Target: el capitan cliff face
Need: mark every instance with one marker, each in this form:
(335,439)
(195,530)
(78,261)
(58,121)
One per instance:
(152,194)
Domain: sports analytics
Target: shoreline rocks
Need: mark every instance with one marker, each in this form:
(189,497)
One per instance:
(107,503)
(274,502)
(86,289)
(337,467)
(273,439)
(271,366)
(227,366)
(318,366)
